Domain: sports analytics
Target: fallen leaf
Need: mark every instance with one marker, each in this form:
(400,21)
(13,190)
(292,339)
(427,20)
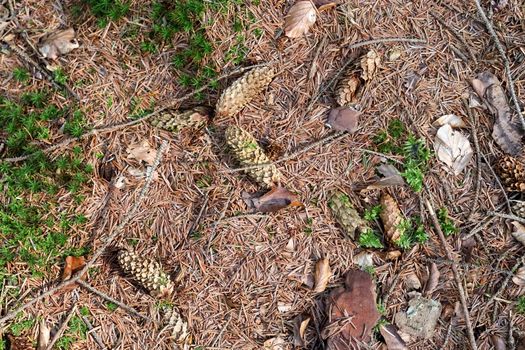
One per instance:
(394,54)
(451,119)
(324,5)
(352,312)
(56,43)
(344,119)
(300,323)
(507,133)
(322,274)
(519,232)
(44,334)
(142,152)
(391,177)
(497,342)
(73,265)
(370,65)
(421,317)
(300,18)
(453,149)
(433,280)
(277,343)
(392,339)
(391,217)
(519,277)
(412,282)
(467,248)
(274,200)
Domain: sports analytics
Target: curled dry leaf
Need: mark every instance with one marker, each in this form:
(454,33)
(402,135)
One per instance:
(451,119)
(322,274)
(392,339)
(323,5)
(433,280)
(344,119)
(519,277)
(507,133)
(142,152)
(300,18)
(370,65)
(519,232)
(274,200)
(44,334)
(392,177)
(73,265)
(57,43)
(453,149)
(300,323)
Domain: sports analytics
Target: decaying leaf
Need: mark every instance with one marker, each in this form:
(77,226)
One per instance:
(300,18)
(507,133)
(453,149)
(57,43)
(412,282)
(142,152)
(391,217)
(392,177)
(433,280)
(344,119)
(392,339)
(73,265)
(300,323)
(44,334)
(519,277)
(519,232)
(370,65)
(277,343)
(274,200)
(451,119)
(352,312)
(322,274)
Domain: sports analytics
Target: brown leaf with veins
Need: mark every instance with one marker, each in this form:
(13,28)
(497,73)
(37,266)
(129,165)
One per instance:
(274,200)
(300,323)
(344,119)
(300,18)
(392,339)
(73,265)
(142,152)
(322,274)
(57,43)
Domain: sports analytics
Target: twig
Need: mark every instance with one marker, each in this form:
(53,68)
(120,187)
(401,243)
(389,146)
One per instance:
(506,216)
(92,332)
(390,290)
(447,336)
(456,34)
(459,285)
(510,340)
(112,300)
(216,224)
(506,63)
(316,56)
(110,128)
(478,159)
(129,215)
(62,328)
(199,216)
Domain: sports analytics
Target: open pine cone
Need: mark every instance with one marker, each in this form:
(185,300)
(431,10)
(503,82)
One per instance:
(512,173)
(345,214)
(244,90)
(175,121)
(249,153)
(172,319)
(348,88)
(147,272)
(391,217)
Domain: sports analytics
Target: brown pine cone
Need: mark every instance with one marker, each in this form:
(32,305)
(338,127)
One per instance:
(175,121)
(345,214)
(147,272)
(518,208)
(244,90)
(174,320)
(512,173)
(249,153)
(391,217)
(348,89)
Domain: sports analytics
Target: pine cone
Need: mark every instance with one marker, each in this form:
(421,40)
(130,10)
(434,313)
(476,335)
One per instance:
(519,209)
(243,90)
(146,271)
(348,89)
(512,174)
(391,217)
(173,319)
(345,214)
(370,64)
(249,153)
(177,120)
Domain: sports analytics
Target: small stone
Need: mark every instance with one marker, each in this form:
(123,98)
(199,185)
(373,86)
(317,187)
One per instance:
(421,317)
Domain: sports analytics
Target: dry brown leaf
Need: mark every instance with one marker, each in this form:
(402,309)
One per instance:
(451,119)
(274,200)
(322,274)
(507,133)
(497,342)
(412,282)
(370,65)
(44,334)
(433,280)
(392,339)
(300,323)
(73,265)
(453,149)
(391,217)
(57,43)
(519,232)
(300,18)
(392,177)
(276,343)
(519,277)
(324,5)
(344,119)
(142,152)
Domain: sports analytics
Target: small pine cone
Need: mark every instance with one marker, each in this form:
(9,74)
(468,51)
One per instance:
(173,320)
(370,64)
(518,208)
(175,121)
(348,89)
(345,214)
(391,217)
(146,271)
(249,153)
(512,174)
(244,90)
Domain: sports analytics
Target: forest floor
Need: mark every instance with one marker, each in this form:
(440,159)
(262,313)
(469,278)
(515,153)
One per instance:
(241,276)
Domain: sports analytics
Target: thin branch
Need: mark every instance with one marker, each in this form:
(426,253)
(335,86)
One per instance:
(478,159)
(62,328)
(93,333)
(459,285)
(505,59)
(129,215)
(506,216)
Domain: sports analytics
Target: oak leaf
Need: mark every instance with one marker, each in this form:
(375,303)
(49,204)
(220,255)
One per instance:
(453,149)
(300,18)
(57,43)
